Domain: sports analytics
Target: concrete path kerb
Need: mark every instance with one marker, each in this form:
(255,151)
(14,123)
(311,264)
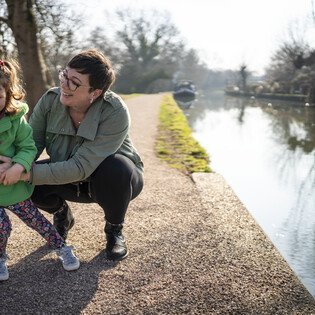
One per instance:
(194,249)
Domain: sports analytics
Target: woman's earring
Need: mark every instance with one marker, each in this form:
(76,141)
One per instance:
(92,99)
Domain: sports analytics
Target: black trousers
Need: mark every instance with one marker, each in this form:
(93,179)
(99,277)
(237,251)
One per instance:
(112,185)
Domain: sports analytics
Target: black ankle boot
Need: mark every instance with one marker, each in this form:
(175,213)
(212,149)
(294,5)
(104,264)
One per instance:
(63,220)
(116,248)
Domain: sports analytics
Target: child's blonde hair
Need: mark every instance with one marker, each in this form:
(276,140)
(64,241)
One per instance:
(10,80)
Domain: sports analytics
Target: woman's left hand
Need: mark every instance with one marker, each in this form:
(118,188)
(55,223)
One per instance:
(25,176)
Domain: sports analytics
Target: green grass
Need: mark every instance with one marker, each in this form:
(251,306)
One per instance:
(175,143)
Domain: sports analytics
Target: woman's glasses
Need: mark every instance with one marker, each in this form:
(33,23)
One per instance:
(63,78)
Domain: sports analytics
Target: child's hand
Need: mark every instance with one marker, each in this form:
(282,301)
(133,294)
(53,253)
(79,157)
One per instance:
(12,175)
(3,167)
(5,159)
(2,177)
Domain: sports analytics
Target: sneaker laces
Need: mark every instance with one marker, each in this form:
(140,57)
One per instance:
(67,255)
(69,260)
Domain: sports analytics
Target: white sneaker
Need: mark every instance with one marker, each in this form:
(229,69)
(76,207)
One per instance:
(4,273)
(69,260)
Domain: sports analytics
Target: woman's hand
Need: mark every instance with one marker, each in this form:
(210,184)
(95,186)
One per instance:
(25,177)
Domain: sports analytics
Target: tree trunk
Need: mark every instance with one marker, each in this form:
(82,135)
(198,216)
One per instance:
(23,23)
(311,95)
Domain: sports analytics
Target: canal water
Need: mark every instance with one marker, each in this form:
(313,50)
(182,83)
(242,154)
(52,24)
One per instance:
(265,150)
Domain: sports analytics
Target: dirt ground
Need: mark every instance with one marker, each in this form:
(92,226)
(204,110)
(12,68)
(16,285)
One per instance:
(193,249)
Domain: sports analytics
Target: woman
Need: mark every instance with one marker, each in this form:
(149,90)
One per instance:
(84,128)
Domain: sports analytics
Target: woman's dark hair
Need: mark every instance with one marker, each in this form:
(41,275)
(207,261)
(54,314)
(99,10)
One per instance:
(97,65)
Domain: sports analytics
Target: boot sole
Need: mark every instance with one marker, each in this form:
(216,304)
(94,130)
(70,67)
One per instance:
(72,267)
(113,258)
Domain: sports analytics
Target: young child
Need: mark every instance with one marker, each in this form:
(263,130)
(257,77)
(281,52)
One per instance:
(16,142)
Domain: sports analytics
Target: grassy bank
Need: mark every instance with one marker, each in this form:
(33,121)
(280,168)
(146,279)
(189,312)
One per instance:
(175,143)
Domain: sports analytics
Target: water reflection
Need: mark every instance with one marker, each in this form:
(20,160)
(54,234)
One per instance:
(266,152)
(186,101)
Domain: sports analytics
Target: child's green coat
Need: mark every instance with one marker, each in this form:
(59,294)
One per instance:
(16,142)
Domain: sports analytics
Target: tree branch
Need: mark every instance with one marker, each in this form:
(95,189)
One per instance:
(4,20)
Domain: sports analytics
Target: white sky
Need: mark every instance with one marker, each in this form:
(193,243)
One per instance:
(225,32)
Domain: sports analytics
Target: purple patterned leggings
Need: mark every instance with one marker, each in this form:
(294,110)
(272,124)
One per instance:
(31,216)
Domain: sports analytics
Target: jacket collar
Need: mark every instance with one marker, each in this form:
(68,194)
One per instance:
(61,122)
(89,126)
(2,113)
(5,124)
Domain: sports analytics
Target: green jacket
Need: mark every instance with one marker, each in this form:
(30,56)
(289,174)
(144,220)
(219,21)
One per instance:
(75,154)
(17,143)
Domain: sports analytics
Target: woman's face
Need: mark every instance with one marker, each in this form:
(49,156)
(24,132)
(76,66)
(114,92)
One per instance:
(3,97)
(75,88)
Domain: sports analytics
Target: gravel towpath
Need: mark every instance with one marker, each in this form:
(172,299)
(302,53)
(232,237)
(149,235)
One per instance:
(194,249)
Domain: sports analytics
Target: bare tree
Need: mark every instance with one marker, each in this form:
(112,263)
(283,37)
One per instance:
(21,20)
(192,68)
(243,73)
(291,65)
(30,22)
(58,27)
(148,46)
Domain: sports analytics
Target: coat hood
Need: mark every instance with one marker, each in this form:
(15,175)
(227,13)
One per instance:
(22,110)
